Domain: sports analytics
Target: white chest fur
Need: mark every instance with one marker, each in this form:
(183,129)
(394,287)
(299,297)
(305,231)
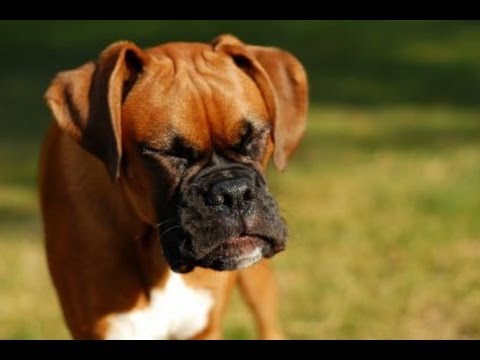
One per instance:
(174,312)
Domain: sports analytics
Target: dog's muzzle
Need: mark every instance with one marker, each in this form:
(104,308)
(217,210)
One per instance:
(227,220)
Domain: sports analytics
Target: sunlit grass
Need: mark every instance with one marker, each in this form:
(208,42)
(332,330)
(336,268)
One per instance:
(383,206)
(385,226)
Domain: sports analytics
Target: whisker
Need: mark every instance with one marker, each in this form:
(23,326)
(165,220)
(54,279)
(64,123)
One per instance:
(287,213)
(165,222)
(170,229)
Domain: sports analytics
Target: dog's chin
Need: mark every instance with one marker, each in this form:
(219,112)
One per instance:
(233,254)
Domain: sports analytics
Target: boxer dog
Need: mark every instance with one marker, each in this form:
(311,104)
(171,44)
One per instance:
(152,183)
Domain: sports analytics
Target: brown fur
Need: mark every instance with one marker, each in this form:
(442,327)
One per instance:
(101,249)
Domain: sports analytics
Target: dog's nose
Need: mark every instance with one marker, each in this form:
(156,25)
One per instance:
(231,195)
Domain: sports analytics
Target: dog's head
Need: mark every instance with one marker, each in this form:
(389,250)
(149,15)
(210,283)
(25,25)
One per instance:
(188,129)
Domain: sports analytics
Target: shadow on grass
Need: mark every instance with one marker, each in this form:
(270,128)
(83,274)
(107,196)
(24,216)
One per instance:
(16,217)
(398,138)
(348,62)
(367,63)
(19,161)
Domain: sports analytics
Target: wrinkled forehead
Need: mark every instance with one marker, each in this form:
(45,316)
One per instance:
(194,92)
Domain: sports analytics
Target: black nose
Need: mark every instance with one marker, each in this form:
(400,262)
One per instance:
(231,195)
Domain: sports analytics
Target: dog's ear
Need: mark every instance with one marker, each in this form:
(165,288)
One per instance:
(283,82)
(86,102)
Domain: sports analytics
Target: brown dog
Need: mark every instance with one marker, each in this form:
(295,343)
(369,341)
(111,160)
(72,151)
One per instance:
(155,162)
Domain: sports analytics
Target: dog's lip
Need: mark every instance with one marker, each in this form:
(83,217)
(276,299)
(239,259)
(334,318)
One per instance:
(248,241)
(235,240)
(275,245)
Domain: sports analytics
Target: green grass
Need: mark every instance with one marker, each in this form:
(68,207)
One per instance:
(383,206)
(382,198)
(385,225)
(348,62)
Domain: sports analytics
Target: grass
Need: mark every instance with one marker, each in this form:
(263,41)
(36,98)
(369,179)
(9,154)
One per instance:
(387,224)
(384,215)
(382,198)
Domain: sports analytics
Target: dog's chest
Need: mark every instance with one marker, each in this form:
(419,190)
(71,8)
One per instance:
(174,312)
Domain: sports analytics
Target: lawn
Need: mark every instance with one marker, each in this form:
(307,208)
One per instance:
(382,198)
(383,205)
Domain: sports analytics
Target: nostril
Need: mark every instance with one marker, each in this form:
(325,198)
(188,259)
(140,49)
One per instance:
(230,194)
(248,195)
(215,199)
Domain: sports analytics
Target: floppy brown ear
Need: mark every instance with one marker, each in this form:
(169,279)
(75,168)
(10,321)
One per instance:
(288,87)
(86,102)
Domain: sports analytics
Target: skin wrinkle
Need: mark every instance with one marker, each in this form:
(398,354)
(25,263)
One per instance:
(227,220)
(202,223)
(205,100)
(217,83)
(211,82)
(198,88)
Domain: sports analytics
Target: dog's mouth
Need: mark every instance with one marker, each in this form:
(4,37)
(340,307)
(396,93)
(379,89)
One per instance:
(235,253)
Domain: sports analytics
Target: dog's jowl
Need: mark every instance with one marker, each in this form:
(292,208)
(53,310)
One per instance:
(153,191)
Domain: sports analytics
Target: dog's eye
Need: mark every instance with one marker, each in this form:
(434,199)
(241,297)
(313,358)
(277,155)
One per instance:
(155,153)
(251,142)
(180,160)
(180,153)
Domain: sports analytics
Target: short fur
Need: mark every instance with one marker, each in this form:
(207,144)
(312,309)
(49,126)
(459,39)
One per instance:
(155,162)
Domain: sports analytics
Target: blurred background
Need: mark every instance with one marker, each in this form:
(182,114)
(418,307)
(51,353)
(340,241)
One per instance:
(382,197)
